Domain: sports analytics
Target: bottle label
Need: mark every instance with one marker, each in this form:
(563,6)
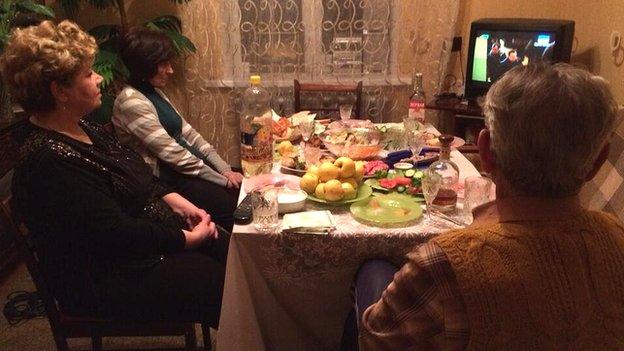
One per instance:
(417,111)
(257,146)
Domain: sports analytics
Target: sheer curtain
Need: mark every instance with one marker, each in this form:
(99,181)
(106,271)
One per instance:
(378,42)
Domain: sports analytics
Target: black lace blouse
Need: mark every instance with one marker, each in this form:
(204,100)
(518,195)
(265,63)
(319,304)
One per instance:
(94,210)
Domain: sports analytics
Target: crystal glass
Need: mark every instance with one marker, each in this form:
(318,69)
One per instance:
(306,128)
(476,192)
(410,124)
(415,141)
(446,200)
(430,184)
(264,208)
(345,111)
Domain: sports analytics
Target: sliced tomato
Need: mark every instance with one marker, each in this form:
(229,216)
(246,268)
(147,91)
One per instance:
(413,190)
(403,181)
(388,183)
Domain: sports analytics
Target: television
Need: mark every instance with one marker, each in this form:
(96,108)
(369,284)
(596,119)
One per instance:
(496,45)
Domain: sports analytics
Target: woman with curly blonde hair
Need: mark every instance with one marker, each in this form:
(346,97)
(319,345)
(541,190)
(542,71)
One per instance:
(112,240)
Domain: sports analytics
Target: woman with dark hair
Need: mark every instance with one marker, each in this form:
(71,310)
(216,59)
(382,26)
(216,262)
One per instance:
(113,241)
(145,120)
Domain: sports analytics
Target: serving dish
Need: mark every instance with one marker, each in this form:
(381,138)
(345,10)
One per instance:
(386,210)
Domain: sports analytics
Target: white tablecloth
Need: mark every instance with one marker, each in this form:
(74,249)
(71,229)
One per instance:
(292,291)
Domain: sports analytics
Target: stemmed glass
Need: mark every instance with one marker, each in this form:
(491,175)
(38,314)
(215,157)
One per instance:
(306,128)
(415,141)
(430,184)
(345,111)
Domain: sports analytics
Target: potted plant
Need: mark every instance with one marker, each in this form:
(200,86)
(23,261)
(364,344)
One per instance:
(108,61)
(17,13)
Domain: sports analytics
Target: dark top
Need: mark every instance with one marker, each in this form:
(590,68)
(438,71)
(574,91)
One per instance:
(94,211)
(169,118)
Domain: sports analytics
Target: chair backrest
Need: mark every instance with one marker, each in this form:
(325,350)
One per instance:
(27,251)
(326,98)
(606,191)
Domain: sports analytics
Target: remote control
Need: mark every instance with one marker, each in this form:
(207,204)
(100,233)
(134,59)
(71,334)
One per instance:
(243,214)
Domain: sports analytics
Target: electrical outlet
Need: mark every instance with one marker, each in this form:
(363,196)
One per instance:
(457,44)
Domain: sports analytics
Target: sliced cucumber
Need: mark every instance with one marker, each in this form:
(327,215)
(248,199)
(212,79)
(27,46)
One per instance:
(410,173)
(419,174)
(400,189)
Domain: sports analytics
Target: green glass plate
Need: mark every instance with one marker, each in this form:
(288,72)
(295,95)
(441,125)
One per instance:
(387,210)
(363,192)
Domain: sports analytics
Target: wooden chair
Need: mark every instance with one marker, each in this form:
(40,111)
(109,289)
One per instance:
(63,325)
(324,104)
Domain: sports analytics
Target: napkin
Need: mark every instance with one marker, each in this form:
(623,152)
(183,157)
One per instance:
(309,222)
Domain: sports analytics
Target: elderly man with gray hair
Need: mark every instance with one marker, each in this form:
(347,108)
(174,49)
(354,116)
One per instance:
(535,271)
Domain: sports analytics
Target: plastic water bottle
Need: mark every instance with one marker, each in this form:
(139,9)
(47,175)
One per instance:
(256,132)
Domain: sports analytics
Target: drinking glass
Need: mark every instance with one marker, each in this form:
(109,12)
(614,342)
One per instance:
(476,192)
(345,111)
(410,124)
(430,184)
(415,141)
(264,209)
(306,128)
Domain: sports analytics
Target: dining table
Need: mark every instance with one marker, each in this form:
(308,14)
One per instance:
(293,291)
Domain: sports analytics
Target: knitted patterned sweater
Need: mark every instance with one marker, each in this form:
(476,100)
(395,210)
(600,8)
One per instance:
(542,285)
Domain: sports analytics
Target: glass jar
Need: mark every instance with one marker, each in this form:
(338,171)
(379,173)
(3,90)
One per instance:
(446,199)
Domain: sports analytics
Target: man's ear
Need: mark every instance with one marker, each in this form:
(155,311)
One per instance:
(488,159)
(600,160)
(58,92)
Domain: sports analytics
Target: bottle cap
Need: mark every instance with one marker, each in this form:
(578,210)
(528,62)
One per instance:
(446,140)
(254,80)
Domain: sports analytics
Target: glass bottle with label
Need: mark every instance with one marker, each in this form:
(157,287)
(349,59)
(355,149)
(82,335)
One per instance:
(255,126)
(446,199)
(416,111)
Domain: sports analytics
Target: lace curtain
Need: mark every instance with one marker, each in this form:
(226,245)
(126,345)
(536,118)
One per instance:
(378,42)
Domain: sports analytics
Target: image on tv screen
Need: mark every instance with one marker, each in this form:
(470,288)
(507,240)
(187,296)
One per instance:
(496,52)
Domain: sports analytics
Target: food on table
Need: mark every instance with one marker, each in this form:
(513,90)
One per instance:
(359,170)
(285,148)
(308,183)
(328,171)
(333,190)
(373,166)
(434,142)
(397,180)
(349,191)
(356,139)
(392,136)
(280,127)
(293,162)
(346,166)
(403,165)
(384,210)
(334,181)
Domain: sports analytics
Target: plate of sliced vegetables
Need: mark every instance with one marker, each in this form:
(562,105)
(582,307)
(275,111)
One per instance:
(398,181)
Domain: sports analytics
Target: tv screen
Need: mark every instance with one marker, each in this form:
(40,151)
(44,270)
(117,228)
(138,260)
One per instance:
(500,44)
(496,52)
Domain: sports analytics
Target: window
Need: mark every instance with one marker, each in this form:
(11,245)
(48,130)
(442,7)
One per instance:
(294,37)
(272,35)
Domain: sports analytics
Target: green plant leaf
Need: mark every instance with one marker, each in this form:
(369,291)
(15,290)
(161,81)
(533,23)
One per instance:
(172,27)
(101,4)
(105,62)
(168,22)
(27,6)
(105,33)
(70,7)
